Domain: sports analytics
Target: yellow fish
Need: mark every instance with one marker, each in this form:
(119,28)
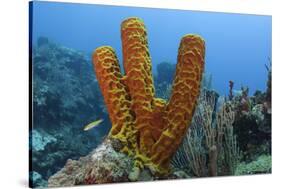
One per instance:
(92,125)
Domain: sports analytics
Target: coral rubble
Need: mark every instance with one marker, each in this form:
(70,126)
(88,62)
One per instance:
(149,128)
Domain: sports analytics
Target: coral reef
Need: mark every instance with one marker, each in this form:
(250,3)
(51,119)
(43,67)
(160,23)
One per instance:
(167,127)
(148,138)
(259,166)
(65,144)
(40,139)
(36,180)
(242,120)
(103,165)
(209,147)
(63,84)
(254,132)
(149,128)
(253,121)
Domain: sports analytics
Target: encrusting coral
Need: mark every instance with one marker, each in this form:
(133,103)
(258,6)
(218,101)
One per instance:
(149,129)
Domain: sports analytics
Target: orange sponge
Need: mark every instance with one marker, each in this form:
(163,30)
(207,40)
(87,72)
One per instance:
(149,128)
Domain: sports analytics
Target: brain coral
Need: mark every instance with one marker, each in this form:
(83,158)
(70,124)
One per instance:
(148,128)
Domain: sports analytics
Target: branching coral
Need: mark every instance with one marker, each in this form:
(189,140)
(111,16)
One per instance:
(149,128)
(210,147)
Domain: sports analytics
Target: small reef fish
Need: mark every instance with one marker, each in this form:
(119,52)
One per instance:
(92,125)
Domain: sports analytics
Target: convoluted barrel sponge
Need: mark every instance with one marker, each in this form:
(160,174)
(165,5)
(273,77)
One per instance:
(149,128)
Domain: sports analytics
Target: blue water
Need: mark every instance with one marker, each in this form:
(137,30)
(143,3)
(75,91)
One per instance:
(237,46)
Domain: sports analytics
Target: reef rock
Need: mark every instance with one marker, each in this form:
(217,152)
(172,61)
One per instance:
(103,165)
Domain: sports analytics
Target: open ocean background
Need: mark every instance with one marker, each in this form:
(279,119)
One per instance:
(237,45)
